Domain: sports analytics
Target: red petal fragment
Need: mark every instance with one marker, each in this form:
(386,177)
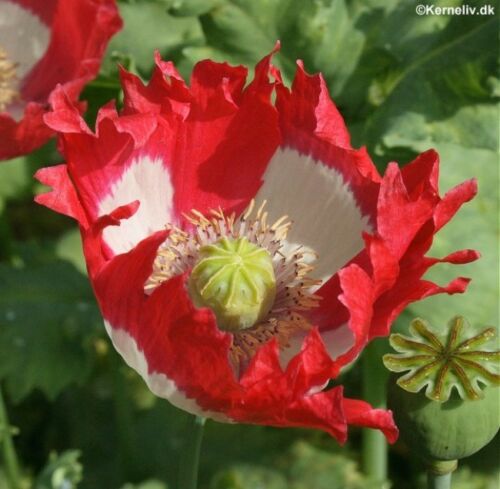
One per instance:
(358,297)
(401,217)
(265,365)
(312,367)
(422,174)
(63,197)
(18,138)
(453,200)
(65,116)
(360,413)
(308,104)
(458,257)
(117,215)
(217,87)
(384,265)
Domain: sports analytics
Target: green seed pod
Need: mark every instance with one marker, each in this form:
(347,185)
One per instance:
(454,418)
(444,431)
(234,278)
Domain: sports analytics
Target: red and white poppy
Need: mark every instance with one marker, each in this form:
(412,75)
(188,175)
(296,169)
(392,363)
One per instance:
(184,168)
(42,44)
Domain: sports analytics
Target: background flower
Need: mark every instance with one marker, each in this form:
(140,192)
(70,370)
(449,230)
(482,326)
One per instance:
(43,44)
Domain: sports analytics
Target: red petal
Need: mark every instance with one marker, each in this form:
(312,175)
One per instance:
(422,174)
(44,10)
(358,297)
(401,217)
(453,200)
(17,138)
(360,413)
(311,124)
(213,126)
(63,197)
(184,344)
(309,106)
(86,27)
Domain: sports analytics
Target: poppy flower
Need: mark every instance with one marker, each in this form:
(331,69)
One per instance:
(241,251)
(42,44)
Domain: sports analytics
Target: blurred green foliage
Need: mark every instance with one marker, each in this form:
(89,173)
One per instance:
(404,83)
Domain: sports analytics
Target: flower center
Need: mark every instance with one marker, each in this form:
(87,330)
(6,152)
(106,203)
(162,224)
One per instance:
(243,269)
(235,278)
(7,79)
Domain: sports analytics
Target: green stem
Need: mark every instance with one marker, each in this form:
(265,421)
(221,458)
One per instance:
(5,236)
(439,473)
(374,454)
(435,481)
(8,451)
(124,423)
(190,456)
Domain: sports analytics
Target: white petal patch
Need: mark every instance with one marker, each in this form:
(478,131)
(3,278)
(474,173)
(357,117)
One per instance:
(159,384)
(321,206)
(147,181)
(337,342)
(23,36)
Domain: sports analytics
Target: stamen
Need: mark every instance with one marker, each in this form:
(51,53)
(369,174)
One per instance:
(180,253)
(8,94)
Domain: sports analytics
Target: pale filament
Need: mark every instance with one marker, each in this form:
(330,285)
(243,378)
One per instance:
(8,79)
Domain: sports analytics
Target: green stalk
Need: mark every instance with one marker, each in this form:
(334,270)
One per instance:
(190,456)
(374,453)
(435,481)
(8,451)
(124,423)
(439,473)
(5,236)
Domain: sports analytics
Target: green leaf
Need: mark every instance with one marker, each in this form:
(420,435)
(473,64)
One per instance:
(148,26)
(444,95)
(189,8)
(15,178)
(62,472)
(321,33)
(48,325)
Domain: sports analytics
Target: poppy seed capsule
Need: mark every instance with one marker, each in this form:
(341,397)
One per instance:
(446,405)
(235,279)
(444,431)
